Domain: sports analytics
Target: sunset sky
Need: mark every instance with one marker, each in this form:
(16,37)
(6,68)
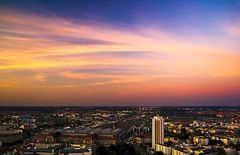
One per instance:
(119,52)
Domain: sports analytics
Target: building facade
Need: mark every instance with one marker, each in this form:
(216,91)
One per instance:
(157,131)
(165,149)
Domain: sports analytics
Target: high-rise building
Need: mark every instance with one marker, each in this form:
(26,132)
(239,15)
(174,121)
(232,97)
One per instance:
(157,131)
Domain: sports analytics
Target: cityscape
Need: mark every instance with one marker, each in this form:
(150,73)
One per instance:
(120,130)
(119,77)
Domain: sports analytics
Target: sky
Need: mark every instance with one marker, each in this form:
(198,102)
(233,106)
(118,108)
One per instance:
(120,52)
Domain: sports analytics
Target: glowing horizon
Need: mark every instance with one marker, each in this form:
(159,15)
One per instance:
(52,58)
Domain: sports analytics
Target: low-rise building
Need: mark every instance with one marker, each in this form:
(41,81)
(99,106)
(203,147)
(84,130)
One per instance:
(85,136)
(143,139)
(10,136)
(180,152)
(75,151)
(165,149)
(230,151)
(201,140)
(43,149)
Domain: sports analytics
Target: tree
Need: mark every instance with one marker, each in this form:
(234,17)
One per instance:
(184,134)
(221,151)
(119,149)
(215,142)
(158,153)
(101,150)
(198,133)
(57,137)
(169,143)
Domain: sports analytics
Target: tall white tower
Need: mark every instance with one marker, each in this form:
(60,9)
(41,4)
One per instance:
(157,131)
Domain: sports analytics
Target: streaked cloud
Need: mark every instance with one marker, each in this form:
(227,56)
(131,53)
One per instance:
(49,54)
(234,29)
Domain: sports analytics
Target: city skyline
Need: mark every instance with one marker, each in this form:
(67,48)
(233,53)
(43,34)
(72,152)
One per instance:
(93,53)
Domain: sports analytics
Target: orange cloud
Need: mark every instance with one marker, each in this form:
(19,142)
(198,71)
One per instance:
(40,77)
